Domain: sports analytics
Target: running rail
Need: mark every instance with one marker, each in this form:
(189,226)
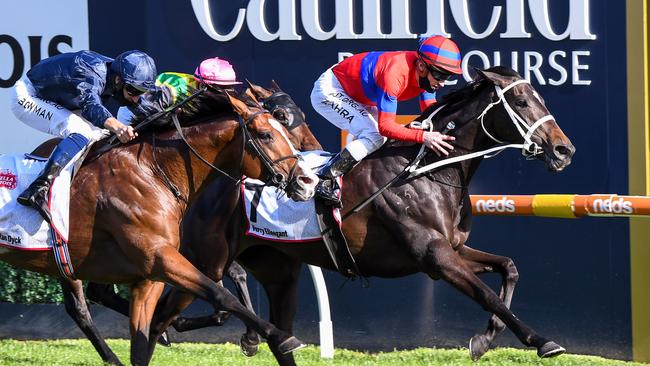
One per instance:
(561,205)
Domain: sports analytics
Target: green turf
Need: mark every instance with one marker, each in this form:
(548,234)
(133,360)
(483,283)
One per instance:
(80,352)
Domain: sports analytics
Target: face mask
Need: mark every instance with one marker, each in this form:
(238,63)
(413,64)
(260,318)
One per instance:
(424,83)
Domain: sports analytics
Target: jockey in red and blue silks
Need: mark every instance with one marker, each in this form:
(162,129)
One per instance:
(360,95)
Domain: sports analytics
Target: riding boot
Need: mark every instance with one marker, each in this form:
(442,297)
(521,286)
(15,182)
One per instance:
(337,166)
(36,195)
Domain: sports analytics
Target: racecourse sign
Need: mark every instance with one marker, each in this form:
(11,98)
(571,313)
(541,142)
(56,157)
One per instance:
(555,68)
(513,12)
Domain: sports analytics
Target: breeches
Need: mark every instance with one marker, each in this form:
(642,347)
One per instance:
(47,116)
(332,102)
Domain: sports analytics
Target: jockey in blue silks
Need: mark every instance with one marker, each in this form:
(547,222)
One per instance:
(81,82)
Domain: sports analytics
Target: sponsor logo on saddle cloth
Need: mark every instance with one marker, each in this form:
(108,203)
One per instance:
(8,179)
(23,227)
(271,215)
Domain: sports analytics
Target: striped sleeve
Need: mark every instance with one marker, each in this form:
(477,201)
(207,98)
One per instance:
(427,100)
(387,106)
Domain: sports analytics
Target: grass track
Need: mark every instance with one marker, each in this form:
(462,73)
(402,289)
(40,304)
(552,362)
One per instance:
(80,352)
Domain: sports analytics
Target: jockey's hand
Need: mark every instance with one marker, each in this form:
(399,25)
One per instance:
(123,132)
(437,142)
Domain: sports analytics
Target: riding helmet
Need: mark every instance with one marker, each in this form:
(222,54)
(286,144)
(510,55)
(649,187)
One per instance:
(137,69)
(440,52)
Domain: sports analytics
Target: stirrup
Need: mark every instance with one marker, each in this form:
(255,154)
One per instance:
(325,192)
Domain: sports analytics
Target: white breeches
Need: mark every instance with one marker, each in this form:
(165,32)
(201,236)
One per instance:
(47,116)
(332,102)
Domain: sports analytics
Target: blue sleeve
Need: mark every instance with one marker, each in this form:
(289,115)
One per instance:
(90,102)
(426,100)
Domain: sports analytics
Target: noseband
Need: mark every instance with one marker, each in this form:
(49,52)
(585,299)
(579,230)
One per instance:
(529,149)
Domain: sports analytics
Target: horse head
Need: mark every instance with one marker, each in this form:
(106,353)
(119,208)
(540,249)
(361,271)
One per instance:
(524,119)
(287,112)
(269,153)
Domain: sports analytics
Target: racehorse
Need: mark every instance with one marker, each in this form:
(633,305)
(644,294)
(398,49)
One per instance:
(128,204)
(285,111)
(418,224)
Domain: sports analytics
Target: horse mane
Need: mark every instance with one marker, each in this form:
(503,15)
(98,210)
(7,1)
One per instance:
(209,103)
(457,99)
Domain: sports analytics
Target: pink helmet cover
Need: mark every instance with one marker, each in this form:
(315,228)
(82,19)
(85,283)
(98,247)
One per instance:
(216,71)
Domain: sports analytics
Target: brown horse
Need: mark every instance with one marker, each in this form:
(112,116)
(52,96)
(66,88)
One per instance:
(419,224)
(287,113)
(125,217)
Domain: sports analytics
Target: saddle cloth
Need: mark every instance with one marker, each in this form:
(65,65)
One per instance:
(23,227)
(272,215)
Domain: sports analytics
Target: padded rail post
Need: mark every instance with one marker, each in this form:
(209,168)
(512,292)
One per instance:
(325,323)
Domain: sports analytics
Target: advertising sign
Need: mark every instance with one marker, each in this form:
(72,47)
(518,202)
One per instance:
(30,31)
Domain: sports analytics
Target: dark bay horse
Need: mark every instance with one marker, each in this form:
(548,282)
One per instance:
(419,224)
(125,218)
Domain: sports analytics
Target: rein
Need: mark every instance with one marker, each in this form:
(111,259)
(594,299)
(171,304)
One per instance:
(529,148)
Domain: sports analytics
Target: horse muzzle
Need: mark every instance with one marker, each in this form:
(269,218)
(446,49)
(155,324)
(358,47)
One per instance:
(558,156)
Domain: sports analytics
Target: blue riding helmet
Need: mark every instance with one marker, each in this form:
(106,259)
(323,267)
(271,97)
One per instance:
(137,69)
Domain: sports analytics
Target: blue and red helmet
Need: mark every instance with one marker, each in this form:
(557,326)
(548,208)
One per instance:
(440,52)
(137,69)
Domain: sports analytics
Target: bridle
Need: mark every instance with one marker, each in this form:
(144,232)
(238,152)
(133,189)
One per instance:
(275,176)
(529,148)
(249,143)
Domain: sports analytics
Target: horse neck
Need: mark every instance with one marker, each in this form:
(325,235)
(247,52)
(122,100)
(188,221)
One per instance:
(216,141)
(304,139)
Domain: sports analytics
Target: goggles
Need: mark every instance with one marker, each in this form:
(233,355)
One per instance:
(134,91)
(438,73)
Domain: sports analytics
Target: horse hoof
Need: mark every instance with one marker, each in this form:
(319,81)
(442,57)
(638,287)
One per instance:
(163,340)
(478,345)
(550,349)
(249,347)
(291,344)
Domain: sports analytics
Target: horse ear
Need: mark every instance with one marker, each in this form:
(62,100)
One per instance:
(275,86)
(258,91)
(238,106)
(496,79)
(251,94)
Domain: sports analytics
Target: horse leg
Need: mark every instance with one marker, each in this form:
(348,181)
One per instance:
(171,267)
(76,307)
(250,340)
(144,297)
(482,262)
(106,296)
(279,275)
(442,261)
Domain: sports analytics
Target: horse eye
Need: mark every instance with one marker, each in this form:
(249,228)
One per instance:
(521,103)
(279,114)
(265,136)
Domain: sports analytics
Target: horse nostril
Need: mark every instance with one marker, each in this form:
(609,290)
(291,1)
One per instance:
(305,179)
(562,151)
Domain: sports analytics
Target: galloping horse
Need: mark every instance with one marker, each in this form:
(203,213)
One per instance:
(129,202)
(418,224)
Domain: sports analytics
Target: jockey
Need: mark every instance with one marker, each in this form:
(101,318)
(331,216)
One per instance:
(360,95)
(82,81)
(174,87)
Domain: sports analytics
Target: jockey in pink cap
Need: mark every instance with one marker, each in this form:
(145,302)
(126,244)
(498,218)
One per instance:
(174,87)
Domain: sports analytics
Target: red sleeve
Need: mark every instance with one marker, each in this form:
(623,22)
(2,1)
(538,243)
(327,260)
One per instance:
(391,129)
